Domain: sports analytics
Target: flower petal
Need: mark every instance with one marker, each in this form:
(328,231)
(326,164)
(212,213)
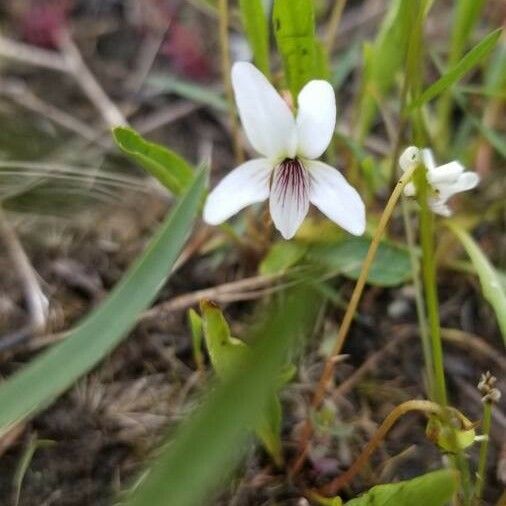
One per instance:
(466,181)
(289,201)
(410,190)
(439,206)
(245,185)
(447,173)
(265,116)
(336,198)
(316,119)
(428,159)
(410,156)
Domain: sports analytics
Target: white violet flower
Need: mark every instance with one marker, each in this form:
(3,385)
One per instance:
(445,180)
(288,172)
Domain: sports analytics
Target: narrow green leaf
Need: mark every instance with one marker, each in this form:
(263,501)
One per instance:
(195,323)
(206,446)
(390,267)
(470,60)
(436,488)
(294,28)
(168,167)
(54,371)
(490,279)
(256,27)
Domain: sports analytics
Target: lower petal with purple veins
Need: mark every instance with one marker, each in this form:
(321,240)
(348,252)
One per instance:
(289,198)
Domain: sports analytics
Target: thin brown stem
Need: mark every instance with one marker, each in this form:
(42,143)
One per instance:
(333,25)
(227,83)
(342,480)
(328,368)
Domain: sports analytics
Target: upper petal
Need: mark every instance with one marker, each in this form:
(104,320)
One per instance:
(316,119)
(466,181)
(336,198)
(428,159)
(447,173)
(289,201)
(265,116)
(245,185)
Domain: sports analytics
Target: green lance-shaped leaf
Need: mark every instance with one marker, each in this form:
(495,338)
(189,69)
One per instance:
(294,28)
(490,280)
(436,489)
(54,371)
(162,163)
(468,62)
(226,354)
(255,24)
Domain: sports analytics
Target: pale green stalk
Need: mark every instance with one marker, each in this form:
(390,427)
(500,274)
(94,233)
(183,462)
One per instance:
(419,302)
(430,286)
(482,463)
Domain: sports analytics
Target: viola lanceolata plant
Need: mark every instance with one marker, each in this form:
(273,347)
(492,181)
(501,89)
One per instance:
(288,172)
(444,180)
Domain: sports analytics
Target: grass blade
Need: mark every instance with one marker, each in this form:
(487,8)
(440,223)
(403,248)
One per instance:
(207,445)
(55,370)
(470,60)
(490,280)
(255,25)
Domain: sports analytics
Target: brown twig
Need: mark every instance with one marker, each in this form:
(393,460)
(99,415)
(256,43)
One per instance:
(333,25)
(225,69)
(86,80)
(35,298)
(22,96)
(31,55)
(427,407)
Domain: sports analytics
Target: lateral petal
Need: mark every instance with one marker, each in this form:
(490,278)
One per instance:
(245,185)
(336,198)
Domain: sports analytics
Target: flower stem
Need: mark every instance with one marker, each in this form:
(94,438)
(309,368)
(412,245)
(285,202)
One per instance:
(328,368)
(432,305)
(430,286)
(428,407)
(482,463)
(225,69)
(420,304)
